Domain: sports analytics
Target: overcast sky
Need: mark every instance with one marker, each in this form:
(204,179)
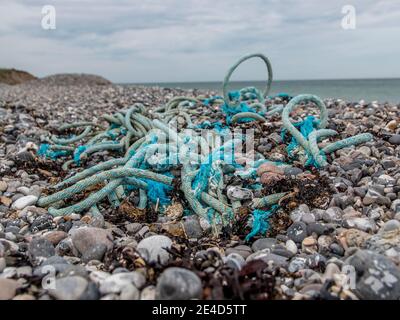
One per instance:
(197,40)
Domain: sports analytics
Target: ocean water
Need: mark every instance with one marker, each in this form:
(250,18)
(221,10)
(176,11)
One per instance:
(382,90)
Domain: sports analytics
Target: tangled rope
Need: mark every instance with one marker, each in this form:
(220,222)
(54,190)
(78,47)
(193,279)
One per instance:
(151,144)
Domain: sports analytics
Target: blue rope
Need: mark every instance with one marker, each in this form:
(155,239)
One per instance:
(46,152)
(261,222)
(308,125)
(230,112)
(77,154)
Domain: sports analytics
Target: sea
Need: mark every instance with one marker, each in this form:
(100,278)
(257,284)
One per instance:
(354,90)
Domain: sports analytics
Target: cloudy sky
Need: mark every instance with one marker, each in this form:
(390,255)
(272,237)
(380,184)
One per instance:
(197,40)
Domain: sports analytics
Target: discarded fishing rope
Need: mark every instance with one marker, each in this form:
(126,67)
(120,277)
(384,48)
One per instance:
(150,144)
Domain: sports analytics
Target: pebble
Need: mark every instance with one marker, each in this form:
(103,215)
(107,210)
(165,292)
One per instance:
(236,193)
(264,243)
(3,186)
(69,288)
(395,207)
(8,288)
(148,293)
(309,241)
(296,264)
(117,282)
(377,276)
(91,242)
(291,246)
(363,224)
(3,264)
(24,272)
(297,231)
(55,236)
(95,252)
(243,250)
(330,271)
(39,249)
(130,292)
(23,202)
(395,139)
(235,261)
(333,215)
(269,258)
(152,249)
(192,227)
(178,284)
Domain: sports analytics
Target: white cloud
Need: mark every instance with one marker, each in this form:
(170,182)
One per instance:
(183,40)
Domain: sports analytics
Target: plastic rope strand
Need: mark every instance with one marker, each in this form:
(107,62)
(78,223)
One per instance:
(246,115)
(352,141)
(225,84)
(290,107)
(313,143)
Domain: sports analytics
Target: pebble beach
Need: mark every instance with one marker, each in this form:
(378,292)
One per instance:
(336,237)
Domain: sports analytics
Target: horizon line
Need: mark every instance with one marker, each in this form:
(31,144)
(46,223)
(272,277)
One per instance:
(235,81)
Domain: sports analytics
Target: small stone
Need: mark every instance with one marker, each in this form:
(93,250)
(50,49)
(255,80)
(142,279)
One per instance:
(392,125)
(152,249)
(24,272)
(363,224)
(178,284)
(264,243)
(23,202)
(269,258)
(24,297)
(297,232)
(395,207)
(55,236)
(333,215)
(386,180)
(308,218)
(132,228)
(390,226)
(3,264)
(192,227)
(378,278)
(6,201)
(41,223)
(236,193)
(39,249)
(270,177)
(98,276)
(69,288)
(309,241)
(395,139)
(291,246)
(3,186)
(117,282)
(235,261)
(130,292)
(354,238)
(87,240)
(8,288)
(243,250)
(337,249)
(95,252)
(297,263)
(148,293)
(330,271)
(292,171)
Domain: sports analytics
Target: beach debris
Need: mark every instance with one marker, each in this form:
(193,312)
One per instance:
(159,154)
